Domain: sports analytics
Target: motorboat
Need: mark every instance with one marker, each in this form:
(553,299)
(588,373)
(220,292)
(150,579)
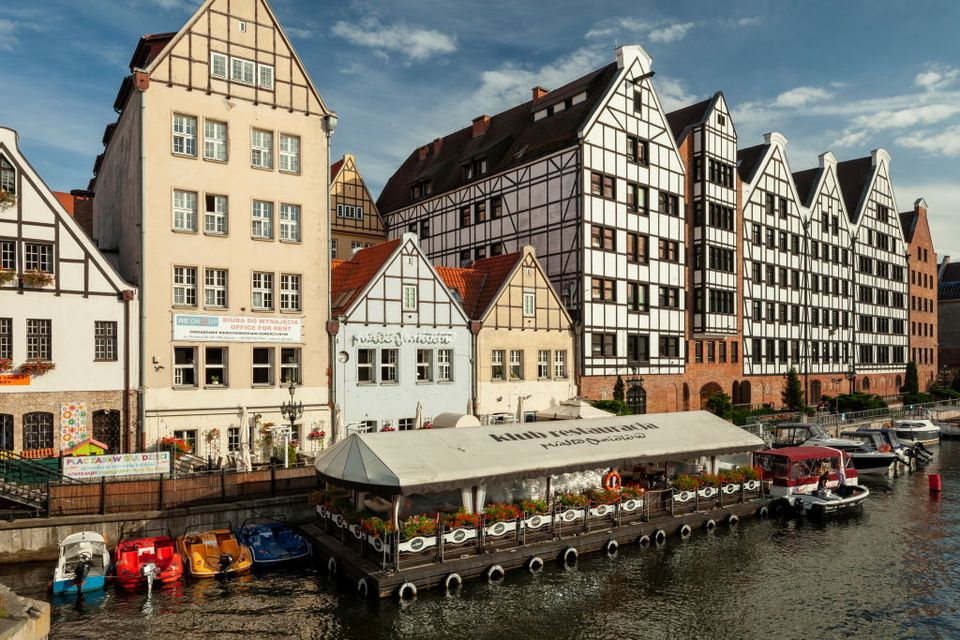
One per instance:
(83,564)
(213,552)
(810,481)
(915,430)
(865,458)
(950,430)
(885,439)
(272,542)
(141,561)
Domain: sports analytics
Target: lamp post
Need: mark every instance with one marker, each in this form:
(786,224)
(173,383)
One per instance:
(852,376)
(836,393)
(292,412)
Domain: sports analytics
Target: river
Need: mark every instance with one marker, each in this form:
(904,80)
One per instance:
(892,571)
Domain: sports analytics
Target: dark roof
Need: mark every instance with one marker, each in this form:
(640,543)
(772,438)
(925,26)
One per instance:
(853,175)
(149,48)
(335,167)
(748,160)
(805,181)
(689,116)
(512,138)
(908,222)
(949,287)
(350,277)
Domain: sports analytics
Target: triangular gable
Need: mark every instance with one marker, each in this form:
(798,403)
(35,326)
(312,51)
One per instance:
(349,163)
(880,172)
(524,259)
(221,9)
(775,151)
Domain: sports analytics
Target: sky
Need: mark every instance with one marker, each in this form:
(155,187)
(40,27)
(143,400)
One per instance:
(846,77)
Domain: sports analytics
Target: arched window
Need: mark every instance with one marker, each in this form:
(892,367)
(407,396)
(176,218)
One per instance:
(900,383)
(816,391)
(37,430)
(8,177)
(6,432)
(637,399)
(106,429)
(866,384)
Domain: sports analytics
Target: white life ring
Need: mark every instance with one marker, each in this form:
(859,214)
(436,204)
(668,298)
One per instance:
(644,540)
(570,557)
(710,524)
(763,512)
(612,547)
(733,520)
(363,589)
(452,582)
(659,536)
(495,573)
(535,564)
(332,566)
(685,531)
(407,591)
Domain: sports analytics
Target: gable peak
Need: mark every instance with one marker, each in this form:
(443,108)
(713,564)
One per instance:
(880,155)
(827,160)
(629,53)
(776,139)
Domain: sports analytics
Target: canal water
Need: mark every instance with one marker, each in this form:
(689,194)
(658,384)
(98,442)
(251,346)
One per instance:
(892,571)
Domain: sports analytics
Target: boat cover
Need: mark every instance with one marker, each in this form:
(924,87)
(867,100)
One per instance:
(433,460)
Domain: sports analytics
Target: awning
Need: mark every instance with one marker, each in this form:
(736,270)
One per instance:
(433,460)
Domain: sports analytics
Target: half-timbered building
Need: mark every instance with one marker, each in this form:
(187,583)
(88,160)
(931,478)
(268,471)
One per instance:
(68,325)
(354,220)
(401,340)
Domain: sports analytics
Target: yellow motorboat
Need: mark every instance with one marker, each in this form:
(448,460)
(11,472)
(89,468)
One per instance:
(208,553)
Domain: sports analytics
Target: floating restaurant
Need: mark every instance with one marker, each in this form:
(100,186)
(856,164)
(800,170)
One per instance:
(428,508)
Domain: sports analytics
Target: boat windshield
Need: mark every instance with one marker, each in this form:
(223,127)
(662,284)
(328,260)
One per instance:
(817,431)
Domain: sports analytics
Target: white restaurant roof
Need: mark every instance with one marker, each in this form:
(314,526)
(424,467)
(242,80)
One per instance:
(431,460)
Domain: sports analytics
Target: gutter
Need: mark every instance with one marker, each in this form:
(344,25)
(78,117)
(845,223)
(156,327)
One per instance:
(141,391)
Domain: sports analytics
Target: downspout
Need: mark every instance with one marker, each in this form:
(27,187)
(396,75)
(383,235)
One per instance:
(125,445)
(141,393)
(330,124)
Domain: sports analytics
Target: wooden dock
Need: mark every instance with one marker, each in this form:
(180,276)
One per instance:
(370,575)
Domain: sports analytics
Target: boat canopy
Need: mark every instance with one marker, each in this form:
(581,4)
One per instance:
(795,454)
(434,460)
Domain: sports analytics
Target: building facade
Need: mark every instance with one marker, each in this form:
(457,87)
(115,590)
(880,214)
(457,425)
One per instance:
(948,317)
(213,189)
(354,220)
(924,322)
(400,338)
(523,338)
(68,325)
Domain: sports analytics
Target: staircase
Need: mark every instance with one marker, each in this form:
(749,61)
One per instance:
(33,497)
(25,481)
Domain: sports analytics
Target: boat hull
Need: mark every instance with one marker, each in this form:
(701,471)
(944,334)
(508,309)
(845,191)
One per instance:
(91,583)
(814,506)
(873,464)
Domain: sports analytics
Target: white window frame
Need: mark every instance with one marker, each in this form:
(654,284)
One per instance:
(215,288)
(290,292)
(261,290)
(266,366)
(222,366)
(289,222)
(497,357)
(444,367)
(560,363)
(516,360)
(224,60)
(233,439)
(388,366)
(184,133)
(184,286)
(289,151)
(39,339)
(261,148)
(424,365)
(333,248)
(8,255)
(38,256)
(265,76)
(529,304)
(261,220)
(242,71)
(543,364)
(370,366)
(105,341)
(215,136)
(184,210)
(409,297)
(215,220)
(180,368)
(290,367)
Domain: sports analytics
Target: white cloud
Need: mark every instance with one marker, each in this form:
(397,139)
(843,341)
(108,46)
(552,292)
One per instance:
(800,96)
(661,32)
(174,4)
(941,198)
(411,41)
(8,36)
(750,21)
(850,138)
(671,33)
(936,77)
(617,25)
(298,32)
(919,115)
(673,93)
(942,142)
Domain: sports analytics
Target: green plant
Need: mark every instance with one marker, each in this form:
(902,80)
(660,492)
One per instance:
(571,500)
(686,482)
(938,391)
(911,382)
(501,512)
(376,527)
(711,480)
(419,525)
(534,507)
(719,404)
(618,389)
(460,518)
(605,496)
(749,473)
(858,401)
(615,407)
(792,391)
(730,476)
(632,491)
(7,276)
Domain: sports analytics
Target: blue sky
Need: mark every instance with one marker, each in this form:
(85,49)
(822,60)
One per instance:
(846,77)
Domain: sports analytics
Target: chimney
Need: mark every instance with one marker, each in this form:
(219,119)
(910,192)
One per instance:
(480,124)
(920,206)
(437,145)
(423,151)
(539,92)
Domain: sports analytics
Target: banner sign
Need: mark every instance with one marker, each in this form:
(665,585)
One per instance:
(18,379)
(73,424)
(116,465)
(198,328)
(398,338)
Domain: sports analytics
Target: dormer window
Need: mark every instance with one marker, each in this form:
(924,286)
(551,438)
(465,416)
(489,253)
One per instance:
(474,169)
(8,177)
(421,189)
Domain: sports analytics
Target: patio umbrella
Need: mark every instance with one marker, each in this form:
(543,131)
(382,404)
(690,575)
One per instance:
(470,407)
(337,423)
(520,409)
(418,420)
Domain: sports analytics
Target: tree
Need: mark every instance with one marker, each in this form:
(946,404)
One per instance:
(618,389)
(793,391)
(955,385)
(719,404)
(911,384)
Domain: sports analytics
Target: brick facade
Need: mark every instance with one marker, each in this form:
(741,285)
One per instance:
(923,329)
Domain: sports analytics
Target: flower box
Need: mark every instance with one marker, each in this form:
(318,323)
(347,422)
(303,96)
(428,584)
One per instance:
(35,279)
(316,435)
(570,515)
(36,367)
(601,510)
(632,504)
(7,276)
(684,496)
(5,364)
(730,488)
(707,492)
(376,542)
(751,485)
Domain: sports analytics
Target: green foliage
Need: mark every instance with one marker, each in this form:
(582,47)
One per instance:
(911,384)
(955,385)
(941,392)
(617,407)
(743,416)
(857,401)
(534,507)
(618,389)
(918,398)
(685,482)
(793,391)
(720,405)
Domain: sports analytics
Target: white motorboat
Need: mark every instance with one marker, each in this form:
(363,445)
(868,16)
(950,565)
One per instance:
(866,459)
(814,481)
(83,564)
(917,430)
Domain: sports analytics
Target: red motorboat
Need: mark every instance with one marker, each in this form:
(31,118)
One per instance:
(141,561)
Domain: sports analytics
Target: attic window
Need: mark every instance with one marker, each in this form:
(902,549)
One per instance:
(421,189)
(8,177)
(721,120)
(474,169)
(243,71)
(242,26)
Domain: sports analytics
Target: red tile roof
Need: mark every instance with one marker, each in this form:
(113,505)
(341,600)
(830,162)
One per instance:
(350,277)
(335,167)
(65,200)
(478,284)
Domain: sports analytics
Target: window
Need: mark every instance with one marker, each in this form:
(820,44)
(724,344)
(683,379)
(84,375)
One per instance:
(604,290)
(39,339)
(8,255)
(215,288)
(496,207)
(38,257)
(669,347)
(365,365)
(637,198)
(262,299)
(184,135)
(465,258)
(215,214)
(262,220)
(559,364)
(262,366)
(637,248)
(734,351)
(543,364)
(290,365)
(184,367)
(479,253)
(409,297)
(711,351)
(261,148)
(670,297)
(424,229)
(496,249)
(784,208)
(289,292)
(189,436)
(37,430)
(289,222)
(603,186)
(480,211)
(604,345)
(265,76)
(669,250)
(215,140)
(669,204)
(184,210)
(637,101)
(497,371)
(333,248)
(638,297)
(241,70)
(445,365)
(465,216)
(8,177)
(289,153)
(104,341)
(6,338)
(529,304)
(218,65)
(184,286)
(516,364)
(769,202)
(215,366)
(424,365)
(638,348)
(388,365)
(603,238)
(638,150)
(233,439)
(721,217)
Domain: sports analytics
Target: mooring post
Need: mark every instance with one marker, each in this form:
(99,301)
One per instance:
(273,481)
(223,487)
(160,494)
(103,495)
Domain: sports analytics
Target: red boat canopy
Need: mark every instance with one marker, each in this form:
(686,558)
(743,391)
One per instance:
(796,454)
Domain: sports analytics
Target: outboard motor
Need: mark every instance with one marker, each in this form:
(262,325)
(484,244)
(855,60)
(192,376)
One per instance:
(149,571)
(82,569)
(225,561)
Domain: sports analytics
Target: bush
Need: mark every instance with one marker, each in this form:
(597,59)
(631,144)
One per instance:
(604,496)
(911,383)
(415,526)
(719,404)
(534,507)
(616,407)
(572,500)
(618,389)
(731,476)
(686,482)
(858,401)
(938,391)
(793,391)
(376,527)
(501,512)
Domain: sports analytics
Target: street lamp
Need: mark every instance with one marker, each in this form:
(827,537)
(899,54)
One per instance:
(292,412)
(852,376)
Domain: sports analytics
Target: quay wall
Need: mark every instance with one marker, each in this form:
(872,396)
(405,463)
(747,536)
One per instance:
(37,539)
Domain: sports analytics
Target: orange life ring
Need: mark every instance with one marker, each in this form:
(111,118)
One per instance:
(612,481)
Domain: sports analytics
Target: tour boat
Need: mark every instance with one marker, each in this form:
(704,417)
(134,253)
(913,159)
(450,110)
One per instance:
(795,475)
(140,561)
(271,541)
(866,459)
(917,430)
(209,553)
(83,564)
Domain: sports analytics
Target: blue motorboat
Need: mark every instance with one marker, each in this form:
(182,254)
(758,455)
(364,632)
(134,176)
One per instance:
(83,564)
(272,541)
